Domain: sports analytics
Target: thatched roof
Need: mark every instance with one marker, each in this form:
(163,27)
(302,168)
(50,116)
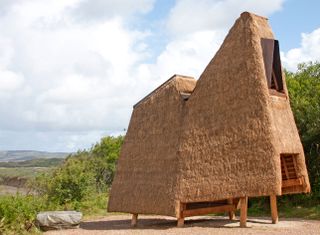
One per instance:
(183,84)
(225,136)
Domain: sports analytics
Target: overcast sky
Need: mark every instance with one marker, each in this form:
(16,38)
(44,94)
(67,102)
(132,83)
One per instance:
(71,70)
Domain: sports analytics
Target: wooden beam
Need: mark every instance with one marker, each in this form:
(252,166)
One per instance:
(134,220)
(243,211)
(208,210)
(231,213)
(291,182)
(274,209)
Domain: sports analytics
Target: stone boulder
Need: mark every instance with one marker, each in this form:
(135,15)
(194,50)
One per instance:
(51,220)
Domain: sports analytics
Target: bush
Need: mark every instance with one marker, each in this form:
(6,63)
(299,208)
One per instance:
(18,213)
(81,182)
(71,183)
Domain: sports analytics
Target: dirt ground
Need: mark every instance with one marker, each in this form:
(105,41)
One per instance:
(120,224)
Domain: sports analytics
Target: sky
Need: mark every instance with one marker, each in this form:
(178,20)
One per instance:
(71,70)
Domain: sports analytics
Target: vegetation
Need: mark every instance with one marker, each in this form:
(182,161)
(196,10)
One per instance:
(304,91)
(293,206)
(82,181)
(21,172)
(40,162)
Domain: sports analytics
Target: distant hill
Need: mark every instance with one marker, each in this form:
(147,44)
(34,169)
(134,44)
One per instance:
(23,155)
(38,162)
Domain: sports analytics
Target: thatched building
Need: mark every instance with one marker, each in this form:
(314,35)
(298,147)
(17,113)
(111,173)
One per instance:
(197,147)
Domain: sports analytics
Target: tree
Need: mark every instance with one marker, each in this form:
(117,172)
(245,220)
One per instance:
(104,159)
(304,92)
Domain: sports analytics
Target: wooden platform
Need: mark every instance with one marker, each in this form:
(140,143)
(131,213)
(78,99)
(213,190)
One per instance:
(230,206)
(203,208)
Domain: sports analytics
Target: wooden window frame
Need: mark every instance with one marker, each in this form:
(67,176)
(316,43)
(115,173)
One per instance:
(272,64)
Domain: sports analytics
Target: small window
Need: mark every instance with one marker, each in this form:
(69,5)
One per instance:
(289,171)
(272,64)
(288,166)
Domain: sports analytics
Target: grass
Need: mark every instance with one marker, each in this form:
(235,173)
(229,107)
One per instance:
(307,208)
(23,172)
(300,212)
(40,162)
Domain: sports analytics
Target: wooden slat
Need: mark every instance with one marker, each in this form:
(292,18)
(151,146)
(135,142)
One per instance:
(288,167)
(285,167)
(291,182)
(208,210)
(294,160)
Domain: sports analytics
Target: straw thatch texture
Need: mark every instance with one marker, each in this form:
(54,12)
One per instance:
(287,140)
(227,148)
(223,142)
(146,176)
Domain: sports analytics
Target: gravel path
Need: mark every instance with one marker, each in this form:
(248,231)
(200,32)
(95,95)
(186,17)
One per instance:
(120,224)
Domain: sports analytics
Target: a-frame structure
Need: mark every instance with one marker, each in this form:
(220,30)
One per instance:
(199,147)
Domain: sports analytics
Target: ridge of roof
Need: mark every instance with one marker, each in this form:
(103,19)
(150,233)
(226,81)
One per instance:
(172,78)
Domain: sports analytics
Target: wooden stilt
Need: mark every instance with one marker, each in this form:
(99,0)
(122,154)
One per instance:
(134,220)
(231,213)
(180,222)
(243,211)
(274,209)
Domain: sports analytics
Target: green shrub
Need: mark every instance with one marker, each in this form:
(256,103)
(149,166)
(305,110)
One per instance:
(70,183)
(18,212)
(304,92)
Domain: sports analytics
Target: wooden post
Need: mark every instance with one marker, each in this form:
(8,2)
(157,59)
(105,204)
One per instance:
(243,211)
(182,207)
(274,209)
(231,213)
(134,220)
(180,222)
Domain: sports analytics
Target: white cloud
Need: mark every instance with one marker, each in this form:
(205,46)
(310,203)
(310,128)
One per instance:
(92,10)
(10,81)
(308,51)
(70,71)
(60,75)
(186,55)
(196,15)
(197,30)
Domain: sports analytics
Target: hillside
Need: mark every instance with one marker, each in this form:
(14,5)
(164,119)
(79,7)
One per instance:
(22,155)
(37,162)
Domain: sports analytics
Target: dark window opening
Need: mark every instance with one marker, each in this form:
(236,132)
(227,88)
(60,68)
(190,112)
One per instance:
(272,64)
(289,171)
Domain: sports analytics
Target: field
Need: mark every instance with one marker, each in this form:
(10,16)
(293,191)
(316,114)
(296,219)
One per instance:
(22,172)
(14,175)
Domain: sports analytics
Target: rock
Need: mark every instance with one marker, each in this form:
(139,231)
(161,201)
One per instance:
(50,220)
